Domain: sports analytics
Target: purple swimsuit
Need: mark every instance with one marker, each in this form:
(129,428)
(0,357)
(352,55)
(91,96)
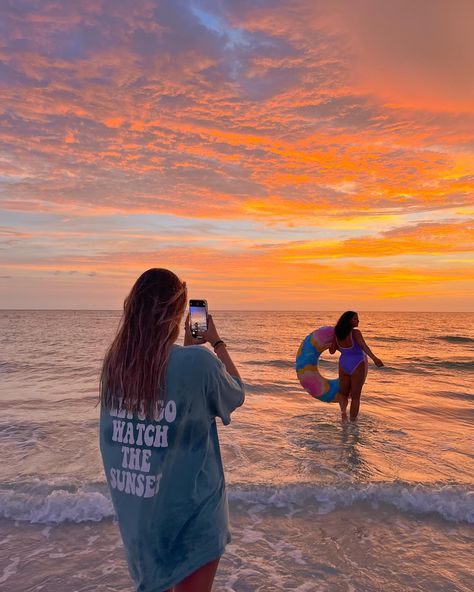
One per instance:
(351,357)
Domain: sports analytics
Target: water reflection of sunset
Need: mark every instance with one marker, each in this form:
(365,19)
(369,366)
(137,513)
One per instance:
(275,156)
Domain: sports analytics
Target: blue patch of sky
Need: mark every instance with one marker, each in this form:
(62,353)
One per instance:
(235,39)
(445,215)
(245,229)
(218,24)
(28,220)
(169,225)
(10,180)
(252,230)
(209,20)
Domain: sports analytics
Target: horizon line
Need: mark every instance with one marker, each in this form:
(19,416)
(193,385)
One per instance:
(237,310)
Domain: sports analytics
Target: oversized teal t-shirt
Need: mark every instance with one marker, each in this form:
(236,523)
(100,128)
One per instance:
(166,477)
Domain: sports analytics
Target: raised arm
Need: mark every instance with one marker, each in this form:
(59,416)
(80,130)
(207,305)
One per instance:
(212,336)
(361,341)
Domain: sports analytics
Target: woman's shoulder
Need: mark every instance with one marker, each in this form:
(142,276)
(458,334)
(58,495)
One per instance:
(198,354)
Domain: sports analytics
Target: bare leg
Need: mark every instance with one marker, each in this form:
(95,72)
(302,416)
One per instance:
(357,382)
(344,391)
(199,581)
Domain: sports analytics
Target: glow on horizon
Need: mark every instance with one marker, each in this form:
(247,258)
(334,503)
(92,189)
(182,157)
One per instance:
(301,155)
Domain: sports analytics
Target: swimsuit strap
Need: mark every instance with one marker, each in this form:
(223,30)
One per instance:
(352,347)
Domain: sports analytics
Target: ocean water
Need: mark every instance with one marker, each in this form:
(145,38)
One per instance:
(383,504)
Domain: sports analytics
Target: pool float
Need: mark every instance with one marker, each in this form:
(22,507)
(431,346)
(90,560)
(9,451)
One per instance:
(311,348)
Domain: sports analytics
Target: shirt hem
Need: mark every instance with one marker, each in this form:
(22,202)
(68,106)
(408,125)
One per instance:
(206,558)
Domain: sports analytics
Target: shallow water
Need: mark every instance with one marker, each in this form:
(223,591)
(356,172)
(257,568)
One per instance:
(387,503)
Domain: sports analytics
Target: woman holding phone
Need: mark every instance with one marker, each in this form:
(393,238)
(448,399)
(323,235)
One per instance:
(352,362)
(159,441)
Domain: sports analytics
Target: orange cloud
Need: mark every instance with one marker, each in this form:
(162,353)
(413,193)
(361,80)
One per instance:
(422,239)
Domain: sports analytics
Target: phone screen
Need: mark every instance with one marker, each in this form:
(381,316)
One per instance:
(197,317)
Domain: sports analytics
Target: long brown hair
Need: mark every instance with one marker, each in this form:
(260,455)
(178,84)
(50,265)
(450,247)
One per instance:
(134,369)
(344,324)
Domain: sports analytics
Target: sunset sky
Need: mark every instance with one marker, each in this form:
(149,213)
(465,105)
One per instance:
(299,154)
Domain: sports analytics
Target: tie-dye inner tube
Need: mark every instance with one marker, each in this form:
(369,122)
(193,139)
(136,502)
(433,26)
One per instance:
(311,380)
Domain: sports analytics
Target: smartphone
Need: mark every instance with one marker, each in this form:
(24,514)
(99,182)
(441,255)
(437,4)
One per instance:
(197,317)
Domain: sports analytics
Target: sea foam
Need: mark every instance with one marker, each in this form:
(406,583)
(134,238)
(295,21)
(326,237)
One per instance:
(450,502)
(56,507)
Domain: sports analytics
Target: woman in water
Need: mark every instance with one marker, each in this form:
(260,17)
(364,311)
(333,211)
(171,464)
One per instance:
(158,438)
(352,363)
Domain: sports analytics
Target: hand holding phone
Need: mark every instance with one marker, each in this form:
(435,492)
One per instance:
(198,318)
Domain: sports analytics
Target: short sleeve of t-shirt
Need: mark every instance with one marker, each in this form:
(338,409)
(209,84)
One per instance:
(224,392)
